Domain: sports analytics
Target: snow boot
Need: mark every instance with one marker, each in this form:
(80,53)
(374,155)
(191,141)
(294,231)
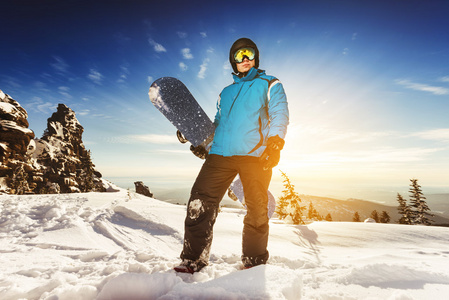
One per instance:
(188,266)
(183,269)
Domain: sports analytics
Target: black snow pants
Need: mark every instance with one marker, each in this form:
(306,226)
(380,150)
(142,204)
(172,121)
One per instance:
(208,190)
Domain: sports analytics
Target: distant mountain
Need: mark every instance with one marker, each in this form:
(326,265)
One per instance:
(343,210)
(439,203)
(56,163)
(340,210)
(181,197)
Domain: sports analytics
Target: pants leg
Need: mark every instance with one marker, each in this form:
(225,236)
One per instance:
(209,188)
(255,183)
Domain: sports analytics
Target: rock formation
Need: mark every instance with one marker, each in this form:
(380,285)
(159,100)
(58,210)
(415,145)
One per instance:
(14,133)
(142,189)
(15,136)
(58,162)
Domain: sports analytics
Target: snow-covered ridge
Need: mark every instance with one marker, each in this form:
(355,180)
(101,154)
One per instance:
(123,246)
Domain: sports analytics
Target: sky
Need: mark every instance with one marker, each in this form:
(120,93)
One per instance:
(367,84)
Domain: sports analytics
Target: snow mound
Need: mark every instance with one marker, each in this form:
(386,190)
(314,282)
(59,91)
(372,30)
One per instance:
(138,286)
(262,282)
(124,246)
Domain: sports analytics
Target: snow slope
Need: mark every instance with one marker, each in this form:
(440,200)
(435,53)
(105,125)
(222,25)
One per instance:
(124,246)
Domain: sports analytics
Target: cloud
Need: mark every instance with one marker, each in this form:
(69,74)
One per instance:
(64,90)
(444,79)
(156,138)
(328,146)
(326,135)
(125,68)
(439,134)
(182,35)
(150,79)
(10,82)
(156,46)
(203,34)
(38,105)
(375,156)
(60,65)
(159,139)
(226,65)
(148,24)
(183,66)
(124,73)
(345,51)
(354,36)
(203,68)
(186,53)
(83,112)
(95,76)
(122,79)
(121,38)
(103,116)
(41,86)
(436,90)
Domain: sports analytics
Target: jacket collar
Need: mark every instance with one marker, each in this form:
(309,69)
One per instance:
(253,73)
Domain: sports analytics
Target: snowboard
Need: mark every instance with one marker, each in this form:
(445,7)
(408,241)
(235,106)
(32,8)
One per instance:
(237,190)
(174,100)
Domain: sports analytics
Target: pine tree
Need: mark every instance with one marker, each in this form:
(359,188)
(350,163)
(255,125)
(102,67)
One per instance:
(356,217)
(385,217)
(328,217)
(312,214)
(375,216)
(404,210)
(288,206)
(418,201)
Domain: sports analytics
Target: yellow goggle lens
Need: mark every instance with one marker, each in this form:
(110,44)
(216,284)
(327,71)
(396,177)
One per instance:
(241,53)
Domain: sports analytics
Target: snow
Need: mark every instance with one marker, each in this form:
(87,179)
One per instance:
(156,98)
(369,220)
(59,129)
(11,125)
(7,108)
(121,245)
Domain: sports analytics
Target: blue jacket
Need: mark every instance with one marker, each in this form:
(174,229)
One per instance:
(249,111)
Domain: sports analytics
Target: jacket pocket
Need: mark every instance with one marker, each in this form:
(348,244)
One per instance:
(260,143)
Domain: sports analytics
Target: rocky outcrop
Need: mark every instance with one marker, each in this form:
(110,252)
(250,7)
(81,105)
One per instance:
(15,137)
(14,133)
(67,163)
(142,189)
(58,162)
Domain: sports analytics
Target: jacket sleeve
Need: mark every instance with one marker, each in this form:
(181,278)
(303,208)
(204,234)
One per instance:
(277,110)
(218,114)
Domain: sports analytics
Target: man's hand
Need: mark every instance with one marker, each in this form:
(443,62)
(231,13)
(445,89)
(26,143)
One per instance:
(199,151)
(270,157)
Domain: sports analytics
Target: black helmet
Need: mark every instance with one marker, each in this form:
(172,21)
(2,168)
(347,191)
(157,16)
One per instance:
(242,43)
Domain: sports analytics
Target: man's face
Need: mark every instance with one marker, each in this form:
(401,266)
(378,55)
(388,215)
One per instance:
(245,65)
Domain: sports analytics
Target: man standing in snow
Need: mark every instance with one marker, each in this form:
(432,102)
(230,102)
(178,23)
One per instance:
(251,123)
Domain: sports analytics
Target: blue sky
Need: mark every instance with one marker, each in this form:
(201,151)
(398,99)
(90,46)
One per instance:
(367,83)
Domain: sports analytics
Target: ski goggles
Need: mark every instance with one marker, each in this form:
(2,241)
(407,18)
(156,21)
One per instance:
(240,54)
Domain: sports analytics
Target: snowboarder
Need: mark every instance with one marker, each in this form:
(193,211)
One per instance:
(250,127)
